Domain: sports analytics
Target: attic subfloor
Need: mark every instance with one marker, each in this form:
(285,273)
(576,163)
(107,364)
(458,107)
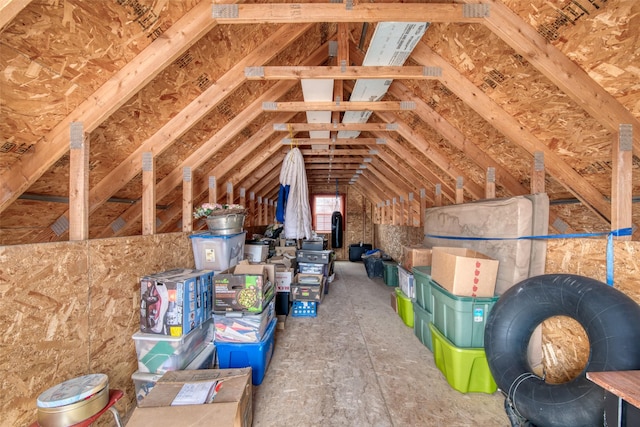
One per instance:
(358,364)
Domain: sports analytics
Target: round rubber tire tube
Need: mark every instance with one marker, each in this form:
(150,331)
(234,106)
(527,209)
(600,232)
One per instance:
(611,321)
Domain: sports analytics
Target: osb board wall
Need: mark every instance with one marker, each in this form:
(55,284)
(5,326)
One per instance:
(359,220)
(391,238)
(70,308)
(564,344)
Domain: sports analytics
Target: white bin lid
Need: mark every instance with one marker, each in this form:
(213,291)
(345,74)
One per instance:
(72,391)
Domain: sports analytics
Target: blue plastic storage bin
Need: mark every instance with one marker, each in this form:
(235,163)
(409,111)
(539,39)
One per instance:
(304,309)
(254,355)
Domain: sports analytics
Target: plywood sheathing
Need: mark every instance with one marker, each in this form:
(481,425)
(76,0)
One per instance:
(70,48)
(565,346)
(70,309)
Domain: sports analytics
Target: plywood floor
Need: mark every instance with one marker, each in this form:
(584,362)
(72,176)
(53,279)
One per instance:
(357,364)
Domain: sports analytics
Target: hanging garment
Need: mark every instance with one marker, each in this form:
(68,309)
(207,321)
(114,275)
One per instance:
(293,187)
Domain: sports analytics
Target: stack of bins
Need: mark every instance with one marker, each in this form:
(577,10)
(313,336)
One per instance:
(423,305)
(405,292)
(244,299)
(314,274)
(246,340)
(176,330)
(458,322)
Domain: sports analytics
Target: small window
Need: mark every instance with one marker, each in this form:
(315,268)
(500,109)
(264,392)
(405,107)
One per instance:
(323,206)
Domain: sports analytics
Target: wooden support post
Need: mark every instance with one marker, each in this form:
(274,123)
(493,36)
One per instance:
(401,210)
(387,212)
(187,200)
(213,190)
(437,199)
(621,180)
(229,193)
(423,205)
(490,185)
(394,212)
(271,212)
(78,182)
(410,211)
(148,194)
(459,190)
(259,212)
(243,199)
(537,173)
(251,216)
(265,211)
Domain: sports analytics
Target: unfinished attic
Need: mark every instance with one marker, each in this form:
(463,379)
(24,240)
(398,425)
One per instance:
(506,128)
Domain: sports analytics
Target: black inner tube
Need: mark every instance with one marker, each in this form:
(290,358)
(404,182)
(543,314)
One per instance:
(611,321)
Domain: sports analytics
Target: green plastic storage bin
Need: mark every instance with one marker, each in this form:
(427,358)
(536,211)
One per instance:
(466,369)
(390,273)
(405,308)
(461,319)
(423,282)
(421,320)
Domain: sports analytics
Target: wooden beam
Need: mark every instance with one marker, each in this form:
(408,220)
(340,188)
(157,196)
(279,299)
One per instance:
(216,142)
(9,9)
(342,73)
(562,71)
(358,12)
(106,100)
(336,142)
(621,180)
(148,194)
(338,152)
(338,106)
(187,200)
(512,129)
(301,127)
(78,183)
(490,184)
(434,154)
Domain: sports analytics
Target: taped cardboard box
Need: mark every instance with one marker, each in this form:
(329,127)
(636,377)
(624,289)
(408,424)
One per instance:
(464,272)
(413,256)
(231,407)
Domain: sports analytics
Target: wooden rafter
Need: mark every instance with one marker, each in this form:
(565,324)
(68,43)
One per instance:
(106,100)
(9,9)
(512,129)
(180,124)
(332,12)
(342,73)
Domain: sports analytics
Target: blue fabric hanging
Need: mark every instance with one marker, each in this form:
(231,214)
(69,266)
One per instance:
(281,208)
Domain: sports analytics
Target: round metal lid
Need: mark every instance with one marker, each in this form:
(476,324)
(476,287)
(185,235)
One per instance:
(72,391)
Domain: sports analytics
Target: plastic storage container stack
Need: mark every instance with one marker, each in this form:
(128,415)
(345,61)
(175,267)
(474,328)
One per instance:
(456,327)
(217,252)
(423,305)
(390,273)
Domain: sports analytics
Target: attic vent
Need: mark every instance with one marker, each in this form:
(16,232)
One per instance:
(475,10)
(118,224)
(560,225)
(225,11)
(60,226)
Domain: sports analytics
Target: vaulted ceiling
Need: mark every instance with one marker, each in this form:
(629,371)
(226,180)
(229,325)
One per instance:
(523,96)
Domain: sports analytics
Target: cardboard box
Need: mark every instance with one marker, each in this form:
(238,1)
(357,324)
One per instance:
(175,302)
(245,287)
(413,256)
(256,253)
(231,407)
(464,272)
(284,279)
